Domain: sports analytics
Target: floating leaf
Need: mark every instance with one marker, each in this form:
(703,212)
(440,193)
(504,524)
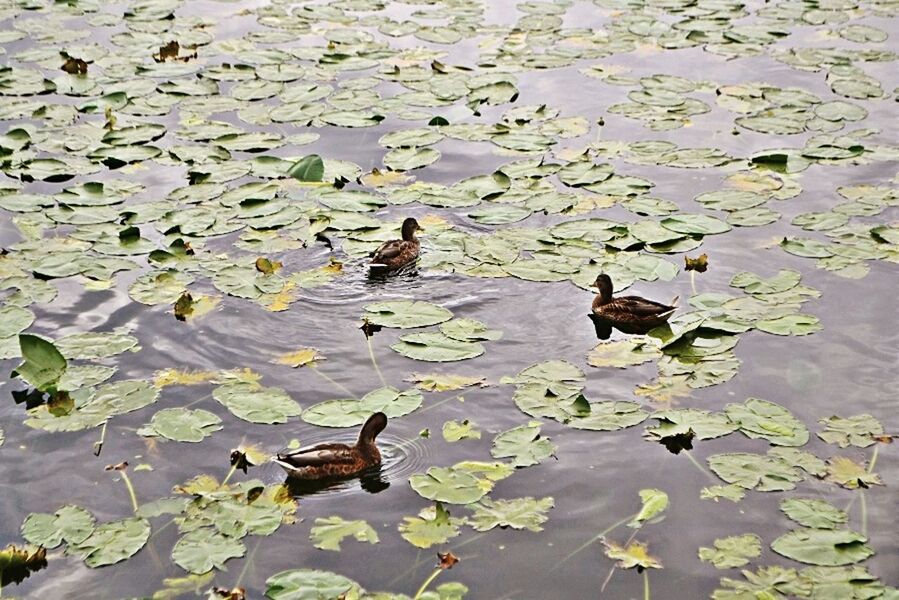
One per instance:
(436,347)
(634,555)
(182,424)
(444,382)
(44,365)
(70,524)
(790,325)
(255,403)
(447,485)
(328,532)
(465,430)
(432,526)
(346,413)
(608,416)
(813,513)
(309,584)
(732,551)
(518,513)
(205,549)
(755,471)
(654,503)
(623,353)
(768,420)
(731,492)
(113,542)
(849,474)
(523,444)
(406,314)
(300,358)
(857,430)
(828,547)
(308,169)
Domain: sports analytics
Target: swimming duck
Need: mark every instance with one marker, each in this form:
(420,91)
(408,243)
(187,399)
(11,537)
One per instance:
(396,254)
(630,314)
(334,461)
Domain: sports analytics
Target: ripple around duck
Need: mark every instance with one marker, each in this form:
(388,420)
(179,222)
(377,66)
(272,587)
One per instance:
(399,459)
(356,284)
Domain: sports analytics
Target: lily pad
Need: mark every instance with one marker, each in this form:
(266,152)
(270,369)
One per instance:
(813,513)
(519,513)
(182,424)
(768,420)
(523,444)
(436,347)
(205,549)
(732,551)
(406,314)
(328,532)
(827,547)
(255,403)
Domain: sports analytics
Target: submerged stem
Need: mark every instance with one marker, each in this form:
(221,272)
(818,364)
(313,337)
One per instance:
(693,281)
(371,353)
(699,466)
(594,539)
(248,562)
(873,458)
(333,382)
(228,476)
(646,595)
(863,505)
(131,493)
(428,581)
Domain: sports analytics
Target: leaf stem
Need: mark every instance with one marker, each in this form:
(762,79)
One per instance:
(427,582)
(863,505)
(98,445)
(248,562)
(131,493)
(371,353)
(873,459)
(596,537)
(330,380)
(699,466)
(646,594)
(228,476)
(693,281)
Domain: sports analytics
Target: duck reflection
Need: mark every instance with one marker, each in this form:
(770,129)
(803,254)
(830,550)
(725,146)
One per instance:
(371,480)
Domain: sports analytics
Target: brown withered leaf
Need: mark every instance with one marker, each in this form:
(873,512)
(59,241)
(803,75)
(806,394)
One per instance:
(700,264)
(168,52)
(237,593)
(446,560)
(266,266)
(60,404)
(74,66)
(119,467)
(184,306)
(16,564)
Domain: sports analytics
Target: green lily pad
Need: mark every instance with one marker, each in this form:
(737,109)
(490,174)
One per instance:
(255,403)
(349,412)
(436,347)
(202,550)
(44,365)
(406,314)
(768,420)
(182,424)
(523,444)
(454,431)
(309,584)
(609,416)
(755,471)
(95,345)
(518,513)
(813,513)
(70,524)
(623,353)
(113,542)
(433,525)
(857,430)
(827,547)
(448,485)
(733,551)
(790,325)
(328,532)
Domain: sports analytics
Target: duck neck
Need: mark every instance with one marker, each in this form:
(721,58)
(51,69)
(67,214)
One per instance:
(409,234)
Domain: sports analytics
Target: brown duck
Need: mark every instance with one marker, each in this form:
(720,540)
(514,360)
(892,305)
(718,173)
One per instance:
(395,254)
(335,461)
(630,314)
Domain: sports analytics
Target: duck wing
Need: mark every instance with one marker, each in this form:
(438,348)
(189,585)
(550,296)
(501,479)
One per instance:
(389,250)
(636,305)
(323,454)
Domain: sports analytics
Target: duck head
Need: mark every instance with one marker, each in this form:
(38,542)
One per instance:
(373,426)
(410,226)
(604,284)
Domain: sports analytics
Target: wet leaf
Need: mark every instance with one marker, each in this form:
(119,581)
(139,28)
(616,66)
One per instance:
(731,492)
(308,169)
(518,513)
(607,416)
(300,358)
(436,347)
(700,264)
(732,551)
(447,485)
(328,532)
(444,382)
(773,582)
(829,547)
(790,325)
(624,353)
(255,403)
(346,413)
(755,471)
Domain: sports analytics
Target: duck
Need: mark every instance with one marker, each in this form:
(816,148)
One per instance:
(396,254)
(630,314)
(336,461)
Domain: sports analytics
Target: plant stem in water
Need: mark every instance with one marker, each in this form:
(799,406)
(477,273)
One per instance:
(693,281)
(873,458)
(427,582)
(646,595)
(98,445)
(863,505)
(594,539)
(374,363)
(699,466)
(228,476)
(131,493)
(248,562)
(330,380)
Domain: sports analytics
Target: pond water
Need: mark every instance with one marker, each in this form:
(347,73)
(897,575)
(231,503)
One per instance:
(545,143)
